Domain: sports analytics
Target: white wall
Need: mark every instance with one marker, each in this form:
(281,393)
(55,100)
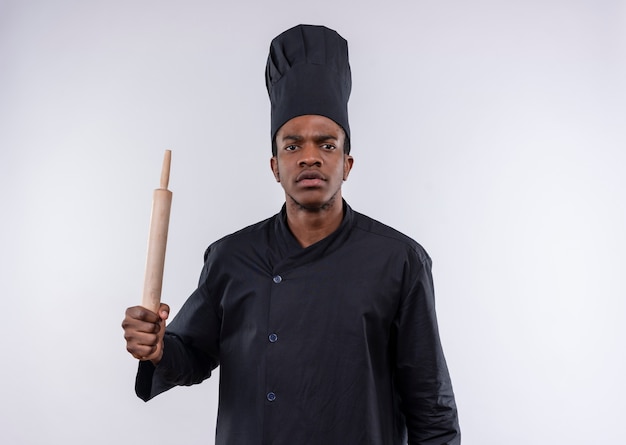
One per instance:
(492,132)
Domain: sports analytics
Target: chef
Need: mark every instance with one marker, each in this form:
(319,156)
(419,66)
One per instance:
(321,319)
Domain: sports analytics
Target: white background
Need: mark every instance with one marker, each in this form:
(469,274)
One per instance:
(493,132)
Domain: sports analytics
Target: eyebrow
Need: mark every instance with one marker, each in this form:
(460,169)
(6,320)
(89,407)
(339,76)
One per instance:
(316,138)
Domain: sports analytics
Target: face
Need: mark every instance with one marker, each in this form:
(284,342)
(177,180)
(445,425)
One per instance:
(310,163)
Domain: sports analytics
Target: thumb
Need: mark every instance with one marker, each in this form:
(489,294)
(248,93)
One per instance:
(164,311)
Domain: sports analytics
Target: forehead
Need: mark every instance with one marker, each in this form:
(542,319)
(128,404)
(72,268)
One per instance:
(310,125)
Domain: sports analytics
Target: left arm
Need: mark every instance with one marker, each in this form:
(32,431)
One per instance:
(421,374)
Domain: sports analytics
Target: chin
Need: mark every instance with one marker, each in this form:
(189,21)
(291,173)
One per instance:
(313,205)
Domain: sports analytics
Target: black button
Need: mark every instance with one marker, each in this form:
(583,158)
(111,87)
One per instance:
(273,338)
(271,396)
(277,279)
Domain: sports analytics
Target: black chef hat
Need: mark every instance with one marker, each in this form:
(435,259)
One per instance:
(308,72)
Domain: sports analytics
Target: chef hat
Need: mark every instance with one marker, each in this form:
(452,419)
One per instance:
(308,72)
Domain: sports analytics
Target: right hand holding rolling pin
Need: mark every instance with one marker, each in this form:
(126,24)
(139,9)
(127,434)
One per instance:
(144,330)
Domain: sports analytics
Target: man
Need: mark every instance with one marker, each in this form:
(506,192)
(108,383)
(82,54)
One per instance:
(322,320)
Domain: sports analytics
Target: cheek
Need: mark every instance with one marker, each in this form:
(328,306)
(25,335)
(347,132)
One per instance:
(344,171)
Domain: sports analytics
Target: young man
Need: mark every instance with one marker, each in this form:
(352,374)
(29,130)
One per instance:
(321,319)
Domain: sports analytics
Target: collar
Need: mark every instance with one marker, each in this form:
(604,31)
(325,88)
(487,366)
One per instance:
(287,251)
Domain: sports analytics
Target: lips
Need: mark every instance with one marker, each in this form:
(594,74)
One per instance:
(310,178)
(310,175)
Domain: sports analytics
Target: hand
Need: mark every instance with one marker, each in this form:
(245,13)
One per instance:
(144,330)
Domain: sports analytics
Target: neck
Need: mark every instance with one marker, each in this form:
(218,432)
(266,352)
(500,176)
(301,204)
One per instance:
(309,226)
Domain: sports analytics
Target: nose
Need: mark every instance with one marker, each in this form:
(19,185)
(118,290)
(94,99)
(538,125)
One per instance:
(310,156)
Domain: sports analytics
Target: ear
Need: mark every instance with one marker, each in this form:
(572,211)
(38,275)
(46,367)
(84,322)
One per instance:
(348,162)
(274,167)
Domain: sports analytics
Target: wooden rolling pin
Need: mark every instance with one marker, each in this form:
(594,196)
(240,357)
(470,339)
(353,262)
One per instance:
(157,241)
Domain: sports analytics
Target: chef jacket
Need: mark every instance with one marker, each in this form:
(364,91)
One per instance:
(335,343)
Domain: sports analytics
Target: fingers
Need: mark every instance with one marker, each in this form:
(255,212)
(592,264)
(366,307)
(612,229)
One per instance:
(142,348)
(141,313)
(143,331)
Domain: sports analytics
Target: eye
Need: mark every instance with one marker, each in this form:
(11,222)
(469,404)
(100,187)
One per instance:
(328,146)
(291,147)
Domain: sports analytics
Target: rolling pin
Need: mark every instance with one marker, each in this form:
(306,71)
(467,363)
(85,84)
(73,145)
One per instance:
(157,240)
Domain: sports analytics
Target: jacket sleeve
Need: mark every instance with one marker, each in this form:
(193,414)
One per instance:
(190,348)
(421,374)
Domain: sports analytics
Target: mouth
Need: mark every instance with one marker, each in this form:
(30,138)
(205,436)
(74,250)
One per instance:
(309,174)
(310,178)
